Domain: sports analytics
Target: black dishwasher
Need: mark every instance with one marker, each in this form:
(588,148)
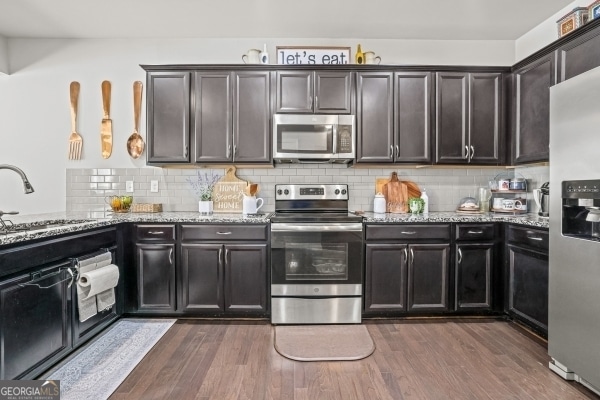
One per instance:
(40,301)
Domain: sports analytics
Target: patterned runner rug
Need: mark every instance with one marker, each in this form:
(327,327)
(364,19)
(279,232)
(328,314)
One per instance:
(323,342)
(100,367)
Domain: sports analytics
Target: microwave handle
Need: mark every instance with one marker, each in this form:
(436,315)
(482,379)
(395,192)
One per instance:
(335,136)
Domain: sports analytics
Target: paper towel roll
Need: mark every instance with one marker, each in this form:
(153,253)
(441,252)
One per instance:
(97,281)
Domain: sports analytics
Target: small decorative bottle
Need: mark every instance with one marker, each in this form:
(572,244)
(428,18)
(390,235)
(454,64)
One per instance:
(360,56)
(264,56)
(425,201)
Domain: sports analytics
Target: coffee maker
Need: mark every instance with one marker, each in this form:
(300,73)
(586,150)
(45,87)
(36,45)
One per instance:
(542,199)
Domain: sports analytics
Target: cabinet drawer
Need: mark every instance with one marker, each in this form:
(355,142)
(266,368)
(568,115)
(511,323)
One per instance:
(408,232)
(224,232)
(155,232)
(527,236)
(477,232)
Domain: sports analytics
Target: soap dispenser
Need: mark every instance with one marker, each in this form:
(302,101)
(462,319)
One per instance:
(425,199)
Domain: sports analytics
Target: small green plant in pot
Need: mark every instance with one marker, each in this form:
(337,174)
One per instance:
(416,205)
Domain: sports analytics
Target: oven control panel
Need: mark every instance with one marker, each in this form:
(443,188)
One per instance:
(311,192)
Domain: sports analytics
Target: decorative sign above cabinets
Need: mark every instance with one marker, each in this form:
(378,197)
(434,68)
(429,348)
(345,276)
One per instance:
(299,55)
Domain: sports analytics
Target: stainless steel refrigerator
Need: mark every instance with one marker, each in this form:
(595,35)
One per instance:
(574,276)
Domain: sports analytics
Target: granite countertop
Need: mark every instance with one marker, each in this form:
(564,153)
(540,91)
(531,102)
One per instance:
(524,219)
(52,224)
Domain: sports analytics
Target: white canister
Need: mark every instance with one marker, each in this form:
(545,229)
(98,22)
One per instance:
(379,203)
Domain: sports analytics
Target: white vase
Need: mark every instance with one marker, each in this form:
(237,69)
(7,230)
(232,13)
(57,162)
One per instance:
(205,207)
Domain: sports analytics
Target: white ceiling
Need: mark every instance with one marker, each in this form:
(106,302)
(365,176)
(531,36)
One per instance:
(375,19)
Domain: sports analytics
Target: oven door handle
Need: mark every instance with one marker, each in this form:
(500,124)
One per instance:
(318,227)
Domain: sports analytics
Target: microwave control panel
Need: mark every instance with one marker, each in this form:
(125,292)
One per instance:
(344,140)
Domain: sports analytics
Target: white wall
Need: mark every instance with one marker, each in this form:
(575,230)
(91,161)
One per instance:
(545,33)
(3,55)
(34,99)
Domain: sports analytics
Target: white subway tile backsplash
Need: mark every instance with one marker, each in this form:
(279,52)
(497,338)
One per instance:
(87,187)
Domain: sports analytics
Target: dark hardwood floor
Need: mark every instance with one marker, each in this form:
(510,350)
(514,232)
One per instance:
(414,359)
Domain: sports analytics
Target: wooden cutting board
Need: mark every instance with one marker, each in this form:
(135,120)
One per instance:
(228,193)
(413,188)
(396,197)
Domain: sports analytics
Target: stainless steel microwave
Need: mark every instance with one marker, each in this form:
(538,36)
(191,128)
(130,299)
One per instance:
(314,138)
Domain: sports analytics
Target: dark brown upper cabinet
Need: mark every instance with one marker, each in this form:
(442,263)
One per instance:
(232,114)
(412,117)
(469,118)
(394,117)
(319,92)
(531,110)
(168,116)
(375,116)
(578,55)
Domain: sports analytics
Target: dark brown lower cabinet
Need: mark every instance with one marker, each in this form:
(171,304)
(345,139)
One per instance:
(218,278)
(407,268)
(156,277)
(474,267)
(428,277)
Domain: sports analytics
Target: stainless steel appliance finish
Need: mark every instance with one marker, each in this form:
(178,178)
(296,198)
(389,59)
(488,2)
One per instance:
(316,256)
(542,199)
(309,138)
(574,276)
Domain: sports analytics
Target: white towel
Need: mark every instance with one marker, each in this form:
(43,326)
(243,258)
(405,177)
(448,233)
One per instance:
(87,304)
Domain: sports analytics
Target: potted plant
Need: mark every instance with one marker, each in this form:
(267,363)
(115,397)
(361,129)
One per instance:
(202,185)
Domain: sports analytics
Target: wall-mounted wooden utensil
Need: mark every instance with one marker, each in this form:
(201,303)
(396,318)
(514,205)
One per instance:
(75,139)
(135,143)
(106,126)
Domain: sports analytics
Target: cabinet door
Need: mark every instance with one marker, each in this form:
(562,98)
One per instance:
(35,323)
(528,286)
(168,106)
(246,278)
(485,118)
(212,117)
(532,110)
(451,116)
(333,92)
(474,276)
(412,111)
(156,277)
(294,92)
(375,121)
(579,55)
(428,277)
(202,278)
(252,117)
(385,277)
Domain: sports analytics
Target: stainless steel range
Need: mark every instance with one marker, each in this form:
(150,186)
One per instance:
(316,256)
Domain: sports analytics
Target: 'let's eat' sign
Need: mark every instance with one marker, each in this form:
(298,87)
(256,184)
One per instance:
(313,55)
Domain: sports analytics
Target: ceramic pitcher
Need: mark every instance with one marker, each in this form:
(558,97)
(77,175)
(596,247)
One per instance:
(251,204)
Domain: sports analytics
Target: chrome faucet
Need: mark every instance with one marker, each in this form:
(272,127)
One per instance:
(26,184)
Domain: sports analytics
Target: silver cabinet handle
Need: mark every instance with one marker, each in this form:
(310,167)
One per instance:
(235,149)
(397,152)
(466,152)
(408,232)
(226,256)
(405,254)
(171,256)
(223,233)
(186,151)
(228,151)
(72,277)
(155,232)
(475,232)
(412,256)
(535,238)
(472,152)
(391,152)
(310,101)
(459,256)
